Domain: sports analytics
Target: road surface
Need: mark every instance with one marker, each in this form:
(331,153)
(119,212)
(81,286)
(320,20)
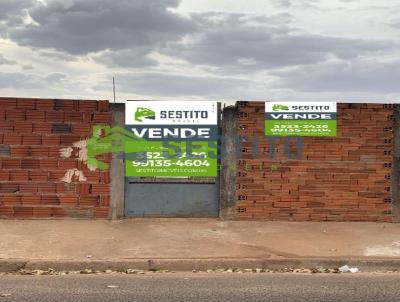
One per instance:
(202,287)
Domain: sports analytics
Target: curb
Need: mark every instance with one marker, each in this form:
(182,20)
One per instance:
(200,264)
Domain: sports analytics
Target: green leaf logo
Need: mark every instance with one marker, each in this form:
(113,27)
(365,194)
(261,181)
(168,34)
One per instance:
(144,113)
(278,107)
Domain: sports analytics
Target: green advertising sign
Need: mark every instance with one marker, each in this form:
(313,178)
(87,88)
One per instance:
(179,138)
(300,119)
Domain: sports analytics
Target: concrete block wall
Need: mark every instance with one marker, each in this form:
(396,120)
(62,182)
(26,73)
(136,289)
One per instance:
(36,181)
(343,178)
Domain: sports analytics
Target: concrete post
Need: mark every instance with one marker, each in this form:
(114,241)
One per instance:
(117,172)
(229,141)
(396,165)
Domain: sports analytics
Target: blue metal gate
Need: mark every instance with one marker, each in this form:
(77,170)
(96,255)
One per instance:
(171,197)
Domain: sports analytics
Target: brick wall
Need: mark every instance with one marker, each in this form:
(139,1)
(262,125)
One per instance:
(344,178)
(32,132)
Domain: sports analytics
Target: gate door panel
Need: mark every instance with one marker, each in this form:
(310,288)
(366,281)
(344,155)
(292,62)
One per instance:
(171,197)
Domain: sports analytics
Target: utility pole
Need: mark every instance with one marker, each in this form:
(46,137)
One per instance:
(114,88)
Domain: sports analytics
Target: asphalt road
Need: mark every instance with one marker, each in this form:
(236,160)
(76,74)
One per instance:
(202,287)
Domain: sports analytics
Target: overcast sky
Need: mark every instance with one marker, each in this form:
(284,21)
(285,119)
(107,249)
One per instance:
(294,50)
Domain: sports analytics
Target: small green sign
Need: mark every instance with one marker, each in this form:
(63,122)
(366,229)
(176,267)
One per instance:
(300,119)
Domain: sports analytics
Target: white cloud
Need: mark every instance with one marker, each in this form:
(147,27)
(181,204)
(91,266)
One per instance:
(5,61)
(356,76)
(244,49)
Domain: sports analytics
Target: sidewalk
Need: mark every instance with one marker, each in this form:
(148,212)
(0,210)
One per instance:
(195,243)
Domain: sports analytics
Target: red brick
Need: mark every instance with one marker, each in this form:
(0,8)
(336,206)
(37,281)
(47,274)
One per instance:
(48,187)
(89,201)
(30,164)
(103,106)
(87,105)
(31,199)
(65,105)
(28,187)
(45,104)
(54,151)
(50,140)
(87,117)
(23,212)
(26,104)
(83,188)
(55,116)
(20,151)
(10,199)
(58,212)
(6,126)
(102,118)
(65,187)
(73,117)
(32,139)
(39,151)
(18,175)
(8,103)
(50,200)
(9,188)
(100,189)
(91,176)
(101,212)
(6,211)
(43,212)
(67,163)
(35,115)
(81,129)
(4,175)
(38,175)
(61,128)
(11,163)
(42,127)
(55,175)
(15,115)
(69,199)
(48,163)
(12,139)
(69,139)
(105,177)
(23,127)
(83,167)
(105,201)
